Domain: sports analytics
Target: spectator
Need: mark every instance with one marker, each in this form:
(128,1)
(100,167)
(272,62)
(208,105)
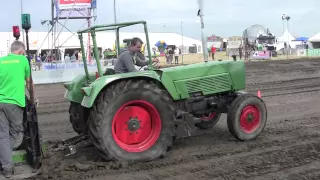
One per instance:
(170,57)
(213,51)
(176,55)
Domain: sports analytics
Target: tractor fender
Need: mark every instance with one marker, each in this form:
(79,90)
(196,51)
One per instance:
(92,91)
(73,88)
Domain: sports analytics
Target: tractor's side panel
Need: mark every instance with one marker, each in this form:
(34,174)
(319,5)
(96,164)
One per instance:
(206,85)
(73,92)
(207,78)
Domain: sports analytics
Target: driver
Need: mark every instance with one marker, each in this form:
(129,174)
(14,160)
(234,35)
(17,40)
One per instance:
(131,56)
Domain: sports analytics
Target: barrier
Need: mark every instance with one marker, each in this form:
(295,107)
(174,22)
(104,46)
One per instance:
(63,75)
(261,55)
(69,65)
(59,76)
(313,52)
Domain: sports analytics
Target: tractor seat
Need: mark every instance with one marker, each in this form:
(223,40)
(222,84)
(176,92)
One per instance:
(109,71)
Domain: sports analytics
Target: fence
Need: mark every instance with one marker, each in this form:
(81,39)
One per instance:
(285,54)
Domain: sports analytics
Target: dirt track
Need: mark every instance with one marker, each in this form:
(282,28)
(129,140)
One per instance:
(288,148)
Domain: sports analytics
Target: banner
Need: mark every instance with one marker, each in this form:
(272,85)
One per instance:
(73,65)
(313,52)
(73,8)
(261,55)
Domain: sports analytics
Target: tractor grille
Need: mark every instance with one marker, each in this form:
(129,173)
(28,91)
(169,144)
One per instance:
(209,85)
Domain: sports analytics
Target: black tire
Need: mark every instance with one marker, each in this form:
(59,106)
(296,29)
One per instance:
(78,116)
(209,123)
(107,104)
(252,103)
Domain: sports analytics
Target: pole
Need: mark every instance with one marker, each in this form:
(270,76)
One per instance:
(204,43)
(53,23)
(21,12)
(115,21)
(89,44)
(288,38)
(28,55)
(32,120)
(182,42)
(48,24)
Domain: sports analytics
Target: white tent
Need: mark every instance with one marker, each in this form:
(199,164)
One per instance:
(315,41)
(315,38)
(104,40)
(286,36)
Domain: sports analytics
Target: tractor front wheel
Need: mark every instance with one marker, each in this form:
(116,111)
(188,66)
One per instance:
(247,117)
(132,121)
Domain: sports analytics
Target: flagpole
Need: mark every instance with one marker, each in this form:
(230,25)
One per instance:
(21,12)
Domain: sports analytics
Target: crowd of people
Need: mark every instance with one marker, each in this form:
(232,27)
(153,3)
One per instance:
(171,52)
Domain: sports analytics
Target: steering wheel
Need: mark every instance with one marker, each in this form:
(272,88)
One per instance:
(146,67)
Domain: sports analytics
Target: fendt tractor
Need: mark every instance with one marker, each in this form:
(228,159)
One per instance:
(134,117)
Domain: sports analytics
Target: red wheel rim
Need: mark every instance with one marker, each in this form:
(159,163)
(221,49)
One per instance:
(250,119)
(136,126)
(209,117)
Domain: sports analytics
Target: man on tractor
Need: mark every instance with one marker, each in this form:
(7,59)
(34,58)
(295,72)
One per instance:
(131,56)
(14,72)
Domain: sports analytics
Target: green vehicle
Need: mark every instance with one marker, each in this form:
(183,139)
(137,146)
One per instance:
(137,116)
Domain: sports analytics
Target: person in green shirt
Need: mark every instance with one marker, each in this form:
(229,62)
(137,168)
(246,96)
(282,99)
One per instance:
(14,73)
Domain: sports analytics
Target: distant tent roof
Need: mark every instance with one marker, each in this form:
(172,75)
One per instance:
(286,36)
(301,39)
(315,38)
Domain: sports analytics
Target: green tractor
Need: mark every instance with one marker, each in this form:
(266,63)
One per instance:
(136,116)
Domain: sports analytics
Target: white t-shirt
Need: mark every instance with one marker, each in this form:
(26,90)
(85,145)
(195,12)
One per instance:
(176,52)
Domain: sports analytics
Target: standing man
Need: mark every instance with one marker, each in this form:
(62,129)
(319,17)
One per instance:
(171,53)
(176,55)
(14,73)
(240,51)
(213,51)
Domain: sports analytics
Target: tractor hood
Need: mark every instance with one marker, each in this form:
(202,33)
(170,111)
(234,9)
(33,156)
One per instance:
(207,77)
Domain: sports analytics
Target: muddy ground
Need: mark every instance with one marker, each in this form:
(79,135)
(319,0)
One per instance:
(288,148)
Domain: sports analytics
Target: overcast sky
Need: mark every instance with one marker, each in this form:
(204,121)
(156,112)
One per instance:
(223,18)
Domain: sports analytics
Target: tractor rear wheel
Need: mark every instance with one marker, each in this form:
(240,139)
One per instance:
(209,121)
(132,121)
(247,117)
(78,116)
